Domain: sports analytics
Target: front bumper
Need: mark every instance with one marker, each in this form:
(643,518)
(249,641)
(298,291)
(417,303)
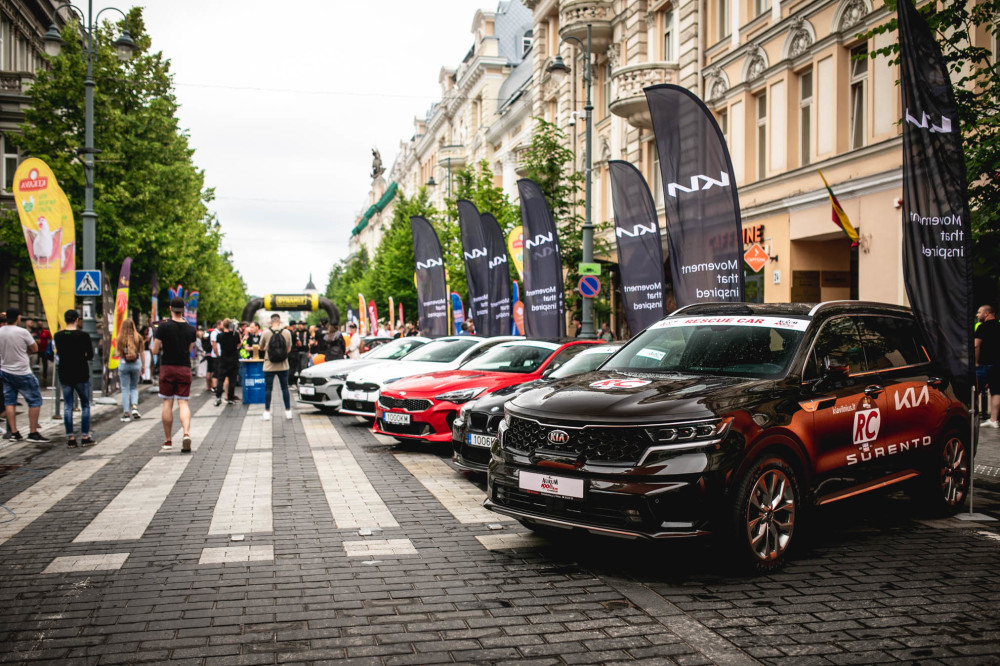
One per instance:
(471,450)
(430,425)
(326,395)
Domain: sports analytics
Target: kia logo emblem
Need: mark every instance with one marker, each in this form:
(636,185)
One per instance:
(558,437)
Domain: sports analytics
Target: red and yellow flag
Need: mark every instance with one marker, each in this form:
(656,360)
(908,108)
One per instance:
(839,216)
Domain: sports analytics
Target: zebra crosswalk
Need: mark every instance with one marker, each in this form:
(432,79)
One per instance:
(243,507)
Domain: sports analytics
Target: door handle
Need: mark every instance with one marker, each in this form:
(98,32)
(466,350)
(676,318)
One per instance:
(873,390)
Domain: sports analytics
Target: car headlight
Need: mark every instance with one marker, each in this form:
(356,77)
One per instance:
(461,396)
(389,381)
(506,417)
(340,377)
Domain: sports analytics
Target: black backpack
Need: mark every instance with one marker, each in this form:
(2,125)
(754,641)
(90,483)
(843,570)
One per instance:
(277,348)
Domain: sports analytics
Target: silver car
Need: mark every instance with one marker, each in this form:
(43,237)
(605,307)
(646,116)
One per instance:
(320,386)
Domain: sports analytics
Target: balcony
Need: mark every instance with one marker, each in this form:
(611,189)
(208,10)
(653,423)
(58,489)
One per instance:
(454,156)
(575,15)
(16,83)
(629,100)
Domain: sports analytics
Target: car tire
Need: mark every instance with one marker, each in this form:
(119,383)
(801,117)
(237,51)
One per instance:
(943,486)
(765,514)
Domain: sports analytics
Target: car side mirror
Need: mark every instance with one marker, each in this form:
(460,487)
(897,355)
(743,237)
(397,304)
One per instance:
(831,371)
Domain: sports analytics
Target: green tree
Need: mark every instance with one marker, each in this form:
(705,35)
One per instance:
(149,197)
(958,26)
(549,162)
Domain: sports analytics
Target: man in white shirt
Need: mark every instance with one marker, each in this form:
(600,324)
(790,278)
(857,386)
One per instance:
(15,345)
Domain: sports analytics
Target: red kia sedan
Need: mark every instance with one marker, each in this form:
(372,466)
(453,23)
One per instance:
(422,407)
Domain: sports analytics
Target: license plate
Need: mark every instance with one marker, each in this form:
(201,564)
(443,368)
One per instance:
(307,390)
(355,395)
(550,485)
(485,441)
(399,419)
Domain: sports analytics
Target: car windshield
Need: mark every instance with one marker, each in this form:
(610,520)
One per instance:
(395,349)
(512,358)
(738,346)
(441,351)
(585,361)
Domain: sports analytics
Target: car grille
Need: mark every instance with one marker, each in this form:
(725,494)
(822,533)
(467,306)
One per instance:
(366,387)
(590,444)
(319,397)
(475,455)
(410,405)
(414,428)
(483,422)
(312,381)
(579,511)
(359,406)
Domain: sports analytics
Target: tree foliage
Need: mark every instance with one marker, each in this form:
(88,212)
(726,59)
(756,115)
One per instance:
(150,199)
(959,27)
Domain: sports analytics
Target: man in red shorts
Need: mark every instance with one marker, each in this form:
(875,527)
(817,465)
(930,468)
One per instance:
(174,342)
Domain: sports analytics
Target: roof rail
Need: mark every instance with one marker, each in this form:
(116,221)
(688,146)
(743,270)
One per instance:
(826,303)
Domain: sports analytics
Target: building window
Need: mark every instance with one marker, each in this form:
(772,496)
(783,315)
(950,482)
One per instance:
(6,46)
(10,162)
(805,116)
(760,6)
(668,35)
(859,79)
(606,102)
(526,43)
(724,123)
(761,135)
(722,9)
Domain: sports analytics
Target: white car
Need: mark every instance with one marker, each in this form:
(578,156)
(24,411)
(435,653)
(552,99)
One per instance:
(320,385)
(362,387)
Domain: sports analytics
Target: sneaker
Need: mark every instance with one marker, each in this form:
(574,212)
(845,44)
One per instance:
(86,441)
(135,414)
(218,401)
(125,418)
(288,414)
(186,444)
(266,416)
(71,443)
(167,446)
(989,423)
(230,402)
(16,436)
(39,437)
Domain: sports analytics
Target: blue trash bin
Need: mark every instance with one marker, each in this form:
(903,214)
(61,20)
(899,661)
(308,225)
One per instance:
(252,378)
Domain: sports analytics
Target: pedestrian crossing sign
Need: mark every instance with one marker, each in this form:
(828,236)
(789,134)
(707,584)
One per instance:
(88,283)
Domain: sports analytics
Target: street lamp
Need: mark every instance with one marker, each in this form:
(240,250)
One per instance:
(125,47)
(558,67)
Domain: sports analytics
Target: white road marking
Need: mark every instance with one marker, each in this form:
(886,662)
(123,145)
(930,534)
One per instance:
(30,504)
(106,562)
(379,547)
(128,515)
(511,541)
(125,436)
(460,497)
(237,554)
(244,504)
(353,500)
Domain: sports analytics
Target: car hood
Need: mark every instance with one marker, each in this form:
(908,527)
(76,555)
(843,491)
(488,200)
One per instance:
(341,366)
(611,396)
(376,374)
(434,383)
(494,402)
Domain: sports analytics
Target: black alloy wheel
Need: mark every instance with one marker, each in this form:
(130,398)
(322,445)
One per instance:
(764,515)
(944,486)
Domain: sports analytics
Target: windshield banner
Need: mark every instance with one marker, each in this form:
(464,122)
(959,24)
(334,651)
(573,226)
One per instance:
(937,253)
(432,290)
(788,323)
(544,309)
(477,260)
(499,292)
(699,193)
(640,255)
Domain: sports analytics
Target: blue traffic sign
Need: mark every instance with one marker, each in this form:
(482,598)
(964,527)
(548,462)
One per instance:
(589,286)
(88,283)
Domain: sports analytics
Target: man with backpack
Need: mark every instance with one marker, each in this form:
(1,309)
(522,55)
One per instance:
(277,345)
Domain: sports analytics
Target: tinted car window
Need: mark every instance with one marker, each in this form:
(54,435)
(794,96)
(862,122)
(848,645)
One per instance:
(441,351)
(395,349)
(511,358)
(838,345)
(564,356)
(584,361)
(890,342)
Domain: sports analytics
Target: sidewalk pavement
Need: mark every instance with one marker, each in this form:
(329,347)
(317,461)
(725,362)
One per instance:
(987,459)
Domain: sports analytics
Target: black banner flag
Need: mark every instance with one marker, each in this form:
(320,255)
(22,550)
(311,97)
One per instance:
(432,290)
(699,192)
(937,252)
(477,269)
(499,291)
(544,307)
(640,255)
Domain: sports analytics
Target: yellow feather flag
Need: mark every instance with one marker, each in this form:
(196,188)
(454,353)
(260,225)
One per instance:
(67,276)
(39,207)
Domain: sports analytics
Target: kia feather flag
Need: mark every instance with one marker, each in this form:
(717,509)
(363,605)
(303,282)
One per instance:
(392,314)
(154,315)
(373,317)
(401,314)
(640,254)
(702,209)
(457,312)
(544,309)
(432,289)
(937,251)
(499,283)
(40,210)
(67,262)
(121,311)
(477,269)
(837,213)
(362,317)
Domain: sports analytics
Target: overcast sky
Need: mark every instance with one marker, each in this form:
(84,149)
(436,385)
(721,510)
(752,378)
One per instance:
(283,102)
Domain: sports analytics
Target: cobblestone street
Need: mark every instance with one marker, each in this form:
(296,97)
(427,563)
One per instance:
(311,540)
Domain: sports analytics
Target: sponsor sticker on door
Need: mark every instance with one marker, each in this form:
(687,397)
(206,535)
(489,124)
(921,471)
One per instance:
(866,426)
